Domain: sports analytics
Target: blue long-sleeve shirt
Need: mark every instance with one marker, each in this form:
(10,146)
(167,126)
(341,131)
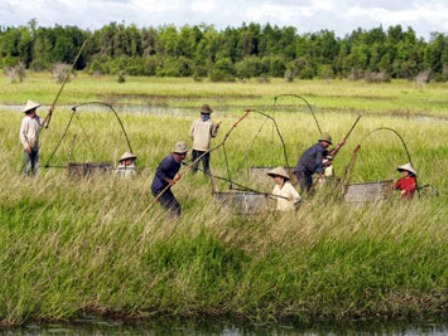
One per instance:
(168,168)
(311,160)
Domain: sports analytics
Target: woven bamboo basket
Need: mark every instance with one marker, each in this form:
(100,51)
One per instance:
(368,191)
(243,202)
(88,168)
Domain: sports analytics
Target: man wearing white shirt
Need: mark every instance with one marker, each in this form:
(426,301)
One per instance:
(29,137)
(201,132)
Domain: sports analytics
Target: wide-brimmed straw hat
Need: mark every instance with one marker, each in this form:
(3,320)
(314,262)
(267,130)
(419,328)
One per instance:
(127,156)
(326,137)
(279,171)
(206,109)
(408,168)
(181,147)
(30,105)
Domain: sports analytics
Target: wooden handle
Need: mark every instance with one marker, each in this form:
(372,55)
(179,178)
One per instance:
(241,118)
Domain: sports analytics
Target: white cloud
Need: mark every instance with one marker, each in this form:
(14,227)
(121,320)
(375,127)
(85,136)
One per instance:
(204,6)
(268,12)
(142,7)
(318,6)
(422,18)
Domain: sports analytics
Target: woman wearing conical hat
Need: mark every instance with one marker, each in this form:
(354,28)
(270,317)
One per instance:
(126,168)
(287,196)
(407,183)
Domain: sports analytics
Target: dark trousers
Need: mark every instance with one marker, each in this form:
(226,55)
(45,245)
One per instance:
(30,163)
(169,202)
(305,181)
(205,161)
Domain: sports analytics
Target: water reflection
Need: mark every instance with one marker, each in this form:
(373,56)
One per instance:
(94,326)
(222,111)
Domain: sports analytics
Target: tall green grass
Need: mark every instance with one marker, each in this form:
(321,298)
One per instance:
(399,97)
(69,246)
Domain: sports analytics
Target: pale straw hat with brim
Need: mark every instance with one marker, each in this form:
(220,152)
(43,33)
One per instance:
(180,148)
(408,168)
(127,156)
(326,137)
(30,105)
(206,109)
(279,171)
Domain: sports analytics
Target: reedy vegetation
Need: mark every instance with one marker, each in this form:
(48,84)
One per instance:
(399,97)
(68,246)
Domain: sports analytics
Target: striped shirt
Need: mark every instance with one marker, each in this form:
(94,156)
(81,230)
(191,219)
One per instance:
(29,132)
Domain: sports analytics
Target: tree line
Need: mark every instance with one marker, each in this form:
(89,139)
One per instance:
(252,50)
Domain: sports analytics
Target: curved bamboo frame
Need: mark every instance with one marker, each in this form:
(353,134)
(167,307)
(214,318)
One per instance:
(74,111)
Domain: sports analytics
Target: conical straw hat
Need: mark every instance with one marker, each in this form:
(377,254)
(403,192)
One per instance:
(279,171)
(408,168)
(30,105)
(126,156)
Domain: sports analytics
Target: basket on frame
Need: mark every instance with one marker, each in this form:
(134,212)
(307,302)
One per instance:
(368,191)
(242,202)
(89,168)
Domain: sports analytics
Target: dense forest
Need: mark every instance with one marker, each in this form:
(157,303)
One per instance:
(252,50)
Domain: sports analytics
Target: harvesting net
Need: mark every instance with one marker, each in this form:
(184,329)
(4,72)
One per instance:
(86,150)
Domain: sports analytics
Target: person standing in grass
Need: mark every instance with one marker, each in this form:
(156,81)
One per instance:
(407,183)
(201,132)
(315,160)
(288,195)
(29,137)
(126,168)
(166,176)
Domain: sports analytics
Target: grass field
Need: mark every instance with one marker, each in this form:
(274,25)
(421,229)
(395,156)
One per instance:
(69,246)
(398,97)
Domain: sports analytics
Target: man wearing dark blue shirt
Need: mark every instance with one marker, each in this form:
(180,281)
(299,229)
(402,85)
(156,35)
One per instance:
(313,161)
(166,176)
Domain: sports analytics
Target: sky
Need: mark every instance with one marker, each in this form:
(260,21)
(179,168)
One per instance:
(307,16)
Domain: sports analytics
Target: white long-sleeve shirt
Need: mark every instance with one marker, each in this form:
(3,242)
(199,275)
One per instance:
(291,197)
(125,171)
(29,131)
(201,132)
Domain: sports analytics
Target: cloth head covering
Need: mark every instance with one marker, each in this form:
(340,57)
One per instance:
(180,148)
(127,156)
(205,116)
(279,171)
(30,105)
(408,168)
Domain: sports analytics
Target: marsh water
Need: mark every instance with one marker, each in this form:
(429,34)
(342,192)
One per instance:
(190,112)
(95,326)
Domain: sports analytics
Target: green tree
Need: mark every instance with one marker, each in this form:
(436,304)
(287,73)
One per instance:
(168,42)
(250,67)
(434,51)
